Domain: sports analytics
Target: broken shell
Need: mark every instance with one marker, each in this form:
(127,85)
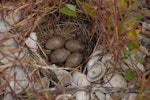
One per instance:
(82,95)
(31,42)
(74,46)
(106,58)
(96,72)
(64,77)
(55,42)
(74,60)
(115,80)
(100,95)
(129,63)
(129,96)
(59,55)
(19,81)
(108,97)
(64,97)
(80,79)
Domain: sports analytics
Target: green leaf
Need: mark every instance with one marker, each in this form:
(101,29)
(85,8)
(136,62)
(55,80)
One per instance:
(90,11)
(129,74)
(138,16)
(67,11)
(71,7)
(136,4)
(127,53)
(139,59)
(132,46)
(145,11)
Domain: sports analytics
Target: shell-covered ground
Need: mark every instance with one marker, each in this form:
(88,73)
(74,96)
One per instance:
(74,50)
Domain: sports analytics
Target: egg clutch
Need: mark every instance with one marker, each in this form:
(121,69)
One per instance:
(67,52)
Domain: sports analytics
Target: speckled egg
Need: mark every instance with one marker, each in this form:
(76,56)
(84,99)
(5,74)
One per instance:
(55,42)
(74,46)
(74,60)
(59,55)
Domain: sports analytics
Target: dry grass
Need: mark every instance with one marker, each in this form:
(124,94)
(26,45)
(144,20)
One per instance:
(43,17)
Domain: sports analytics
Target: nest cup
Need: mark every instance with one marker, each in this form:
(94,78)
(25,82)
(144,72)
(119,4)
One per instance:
(70,28)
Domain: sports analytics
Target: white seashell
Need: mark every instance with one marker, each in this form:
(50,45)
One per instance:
(116,80)
(80,79)
(4,27)
(13,17)
(140,54)
(96,71)
(31,42)
(96,53)
(7,56)
(10,18)
(100,95)
(64,77)
(139,66)
(106,58)
(37,86)
(8,96)
(92,61)
(8,42)
(108,97)
(143,41)
(64,97)
(110,67)
(145,25)
(19,81)
(129,96)
(81,95)
(44,84)
(126,64)
(129,63)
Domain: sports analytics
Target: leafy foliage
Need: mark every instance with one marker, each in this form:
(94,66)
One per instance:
(90,11)
(129,74)
(69,10)
(139,58)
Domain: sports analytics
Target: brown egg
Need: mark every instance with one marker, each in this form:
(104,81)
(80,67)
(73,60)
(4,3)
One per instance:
(55,42)
(74,46)
(59,55)
(74,60)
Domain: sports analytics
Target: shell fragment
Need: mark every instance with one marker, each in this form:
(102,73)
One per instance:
(115,80)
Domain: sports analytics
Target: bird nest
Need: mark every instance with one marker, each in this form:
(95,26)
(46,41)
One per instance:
(29,71)
(68,27)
